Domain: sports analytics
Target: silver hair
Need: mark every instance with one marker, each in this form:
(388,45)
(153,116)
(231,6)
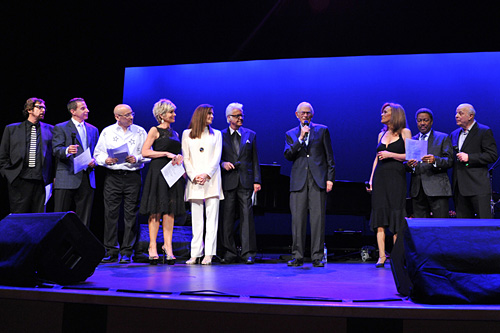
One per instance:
(231,107)
(161,107)
(305,104)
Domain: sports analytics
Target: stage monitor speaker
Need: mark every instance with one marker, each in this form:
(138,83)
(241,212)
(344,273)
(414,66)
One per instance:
(398,264)
(453,261)
(47,247)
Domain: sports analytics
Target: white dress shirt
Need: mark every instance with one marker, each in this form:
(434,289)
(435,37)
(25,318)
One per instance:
(112,137)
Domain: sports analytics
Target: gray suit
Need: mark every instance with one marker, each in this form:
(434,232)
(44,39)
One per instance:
(430,184)
(313,166)
(69,187)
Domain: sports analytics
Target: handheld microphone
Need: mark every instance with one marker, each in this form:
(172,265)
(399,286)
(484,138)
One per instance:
(73,139)
(306,123)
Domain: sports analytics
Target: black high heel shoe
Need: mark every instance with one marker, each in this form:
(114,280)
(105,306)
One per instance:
(381,261)
(170,259)
(153,260)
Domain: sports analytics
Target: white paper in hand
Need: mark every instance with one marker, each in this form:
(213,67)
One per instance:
(81,162)
(172,173)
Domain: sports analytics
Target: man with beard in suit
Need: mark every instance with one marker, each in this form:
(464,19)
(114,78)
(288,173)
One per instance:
(430,185)
(26,159)
(240,179)
(475,148)
(309,147)
(71,139)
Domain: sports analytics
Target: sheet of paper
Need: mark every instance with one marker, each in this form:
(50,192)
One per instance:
(172,173)
(81,162)
(120,153)
(48,193)
(415,149)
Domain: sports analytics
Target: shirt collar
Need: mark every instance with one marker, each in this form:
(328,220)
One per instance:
(29,124)
(77,123)
(467,130)
(118,128)
(237,131)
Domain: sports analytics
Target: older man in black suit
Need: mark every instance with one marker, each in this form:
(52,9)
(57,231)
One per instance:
(309,147)
(71,139)
(430,184)
(26,159)
(240,179)
(475,148)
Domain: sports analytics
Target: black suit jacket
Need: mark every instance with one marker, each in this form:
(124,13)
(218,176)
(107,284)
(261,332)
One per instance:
(65,176)
(13,151)
(434,179)
(248,172)
(317,156)
(472,177)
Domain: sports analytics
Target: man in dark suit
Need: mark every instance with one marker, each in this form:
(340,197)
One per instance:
(26,159)
(430,185)
(72,138)
(475,148)
(240,179)
(309,147)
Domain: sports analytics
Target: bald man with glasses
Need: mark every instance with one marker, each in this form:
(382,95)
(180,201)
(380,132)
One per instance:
(122,182)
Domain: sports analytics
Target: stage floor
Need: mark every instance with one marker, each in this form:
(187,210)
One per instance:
(334,295)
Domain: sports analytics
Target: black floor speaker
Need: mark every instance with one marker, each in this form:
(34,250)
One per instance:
(453,261)
(48,247)
(398,264)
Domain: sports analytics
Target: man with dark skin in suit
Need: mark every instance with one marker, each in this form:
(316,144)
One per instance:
(430,185)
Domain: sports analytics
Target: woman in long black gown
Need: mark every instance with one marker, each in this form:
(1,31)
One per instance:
(160,201)
(388,178)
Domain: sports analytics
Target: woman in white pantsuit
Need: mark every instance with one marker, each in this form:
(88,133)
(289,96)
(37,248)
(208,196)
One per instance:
(202,149)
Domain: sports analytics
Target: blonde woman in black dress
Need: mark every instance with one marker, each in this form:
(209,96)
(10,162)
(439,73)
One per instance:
(159,201)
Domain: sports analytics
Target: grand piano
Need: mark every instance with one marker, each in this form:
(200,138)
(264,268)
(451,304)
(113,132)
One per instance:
(346,198)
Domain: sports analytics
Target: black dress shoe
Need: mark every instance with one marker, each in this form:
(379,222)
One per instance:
(250,261)
(125,259)
(318,263)
(225,261)
(295,262)
(109,259)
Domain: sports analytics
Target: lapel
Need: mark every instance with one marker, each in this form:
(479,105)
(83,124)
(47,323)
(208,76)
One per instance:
(311,132)
(430,140)
(45,138)
(244,138)
(72,129)
(21,134)
(473,131)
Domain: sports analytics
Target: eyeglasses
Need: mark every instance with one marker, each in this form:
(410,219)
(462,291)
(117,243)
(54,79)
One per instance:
(41,107)
(304,113)
(128,115)
(237,115)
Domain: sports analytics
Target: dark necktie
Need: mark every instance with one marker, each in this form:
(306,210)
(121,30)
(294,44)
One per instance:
(32,151)
(423,136)
(236,142)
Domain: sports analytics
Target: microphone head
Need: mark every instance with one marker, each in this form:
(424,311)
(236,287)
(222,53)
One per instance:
(306,123)
(73,135)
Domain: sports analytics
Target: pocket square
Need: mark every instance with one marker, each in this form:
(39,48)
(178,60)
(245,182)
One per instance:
(248,141)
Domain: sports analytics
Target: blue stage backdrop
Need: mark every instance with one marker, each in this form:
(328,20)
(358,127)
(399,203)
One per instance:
(346,94)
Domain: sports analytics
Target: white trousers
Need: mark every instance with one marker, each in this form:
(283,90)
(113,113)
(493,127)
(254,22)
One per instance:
(212,211)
